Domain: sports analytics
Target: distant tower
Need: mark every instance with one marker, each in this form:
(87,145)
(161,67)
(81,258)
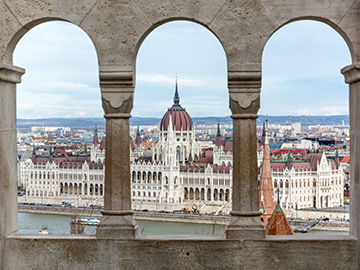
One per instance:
(263,135)
(344,141)
(337,160)
(95,140)
(137,139)
(218,136)
(266,191)
(289,160)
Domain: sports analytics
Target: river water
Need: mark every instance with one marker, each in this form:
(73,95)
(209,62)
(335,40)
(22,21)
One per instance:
(30,223)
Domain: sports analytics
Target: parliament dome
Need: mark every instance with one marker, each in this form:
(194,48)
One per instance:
(180,119)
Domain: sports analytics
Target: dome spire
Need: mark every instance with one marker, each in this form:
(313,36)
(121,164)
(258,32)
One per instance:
(176,97)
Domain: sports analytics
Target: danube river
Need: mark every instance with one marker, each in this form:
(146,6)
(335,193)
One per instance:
(30,223)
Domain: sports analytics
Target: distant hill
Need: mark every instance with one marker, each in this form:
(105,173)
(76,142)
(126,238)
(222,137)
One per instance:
(88,123)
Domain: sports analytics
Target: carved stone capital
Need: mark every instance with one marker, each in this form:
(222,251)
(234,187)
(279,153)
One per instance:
(11,74)
(117,91)
(244,91)
(351,73)
(244,103)
(117,103)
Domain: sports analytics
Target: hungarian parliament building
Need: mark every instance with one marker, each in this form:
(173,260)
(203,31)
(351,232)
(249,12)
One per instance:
(177,173)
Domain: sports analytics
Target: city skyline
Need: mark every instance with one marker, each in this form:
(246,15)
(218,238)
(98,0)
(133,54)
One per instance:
(301,72)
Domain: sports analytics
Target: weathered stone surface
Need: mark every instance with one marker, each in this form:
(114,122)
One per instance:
(203,11)
(66,252)
(243,28)
(120,25)
(117,29)
(284,253)
(30,10)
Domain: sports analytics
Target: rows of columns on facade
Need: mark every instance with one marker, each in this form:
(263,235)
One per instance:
(199,194)
(79,189)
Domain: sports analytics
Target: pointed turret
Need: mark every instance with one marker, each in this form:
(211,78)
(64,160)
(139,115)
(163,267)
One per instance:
(218,136)
(138,139)
(278,223)
(95,141)
(266,191)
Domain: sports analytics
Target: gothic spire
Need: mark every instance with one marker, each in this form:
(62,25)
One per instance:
(137,138)
(95,140)
(176,97)
(218,137)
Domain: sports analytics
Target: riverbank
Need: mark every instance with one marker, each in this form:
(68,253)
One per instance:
(171,217)
(138,215)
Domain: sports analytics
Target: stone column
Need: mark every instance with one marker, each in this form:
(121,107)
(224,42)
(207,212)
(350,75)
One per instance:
(245,222)
(117,90)
(9,77)
(352,77)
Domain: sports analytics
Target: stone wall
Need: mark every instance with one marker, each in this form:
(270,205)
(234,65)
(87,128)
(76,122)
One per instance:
(117,29)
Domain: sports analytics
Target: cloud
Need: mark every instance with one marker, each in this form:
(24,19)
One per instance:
(165,80)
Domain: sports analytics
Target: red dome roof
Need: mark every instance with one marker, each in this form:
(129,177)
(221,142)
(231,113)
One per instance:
(180,119)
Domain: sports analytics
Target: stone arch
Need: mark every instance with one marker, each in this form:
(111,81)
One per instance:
(202,194)
(326,21)
(31,24)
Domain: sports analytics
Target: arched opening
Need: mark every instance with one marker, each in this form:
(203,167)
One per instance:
(202,195)
(197,194)
(133,177)
(227,195)
(216,194)
(85,189)
(186,193)
(191,196)
(221,195)
(303,78)
(208,195)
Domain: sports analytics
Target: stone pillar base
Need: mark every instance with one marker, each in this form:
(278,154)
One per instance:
(117,225)
(245,225)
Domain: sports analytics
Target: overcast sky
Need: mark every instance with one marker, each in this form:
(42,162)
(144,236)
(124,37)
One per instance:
(301,72)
